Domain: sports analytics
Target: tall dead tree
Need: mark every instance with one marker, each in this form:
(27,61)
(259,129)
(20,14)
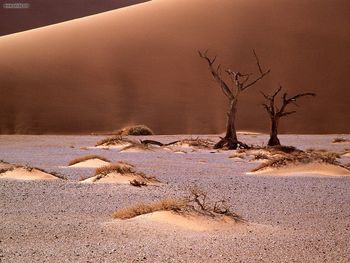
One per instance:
(240,83)
(276,113)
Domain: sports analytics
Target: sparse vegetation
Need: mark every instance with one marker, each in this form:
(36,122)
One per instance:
(114,140)
(119,167)
(340,140)
(193,142)
(136,130)
(124,168)
(195,203)
(146,208)
(87,157)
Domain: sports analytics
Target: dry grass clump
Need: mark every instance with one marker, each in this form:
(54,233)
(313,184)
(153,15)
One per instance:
(114,140)
(340,140)
(195,203)
(124,168)
(135,130)
(119,167)
(300,157)
(146,208)
(87,157)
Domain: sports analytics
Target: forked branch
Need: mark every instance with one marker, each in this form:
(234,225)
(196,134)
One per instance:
(216,73)
(273,110)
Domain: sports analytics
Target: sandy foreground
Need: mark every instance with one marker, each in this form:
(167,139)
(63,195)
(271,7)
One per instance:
(290,218)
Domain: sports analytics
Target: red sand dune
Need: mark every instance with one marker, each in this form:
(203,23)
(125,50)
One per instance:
(40,13)
(140,65)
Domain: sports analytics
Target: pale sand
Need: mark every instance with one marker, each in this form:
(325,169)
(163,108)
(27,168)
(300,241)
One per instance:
(119,146)
(305,169)
(117,178)
(91,163)
(346,142)
(290,218)
(134,150)
(189,222)
(23,174)
(346,155)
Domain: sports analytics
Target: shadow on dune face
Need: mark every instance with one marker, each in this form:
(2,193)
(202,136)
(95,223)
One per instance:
(140,65)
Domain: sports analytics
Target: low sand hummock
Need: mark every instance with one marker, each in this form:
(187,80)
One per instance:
(193,213)
(17,172)
(120,173)
(193,222)
(305,169)
(114,142)
(307,162)
(89,161)
(136,147)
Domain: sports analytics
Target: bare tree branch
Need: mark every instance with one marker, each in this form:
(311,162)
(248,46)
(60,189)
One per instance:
(257,62)
(287,113)
(216,73)
(286,101)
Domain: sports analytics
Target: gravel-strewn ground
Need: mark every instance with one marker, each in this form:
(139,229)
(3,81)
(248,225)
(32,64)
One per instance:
(292,219)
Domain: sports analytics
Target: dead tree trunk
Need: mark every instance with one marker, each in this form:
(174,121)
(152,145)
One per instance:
(240,82)
(275,113)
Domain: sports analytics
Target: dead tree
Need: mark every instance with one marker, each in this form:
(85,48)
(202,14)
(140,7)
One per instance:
(276,113)
(240,83)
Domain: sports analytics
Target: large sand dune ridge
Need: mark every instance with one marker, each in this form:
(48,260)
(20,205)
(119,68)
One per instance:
(140,65)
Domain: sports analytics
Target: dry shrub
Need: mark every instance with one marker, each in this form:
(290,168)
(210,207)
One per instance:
(135,130)
(195,203)
(340,140)
(87,157)
(114,140)
(261,156)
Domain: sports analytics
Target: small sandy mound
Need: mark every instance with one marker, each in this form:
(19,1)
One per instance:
(305,169)
(120,173)
(22,173)
(346,155)
(91,163)
(117,146)
(189,222)
(117,178)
